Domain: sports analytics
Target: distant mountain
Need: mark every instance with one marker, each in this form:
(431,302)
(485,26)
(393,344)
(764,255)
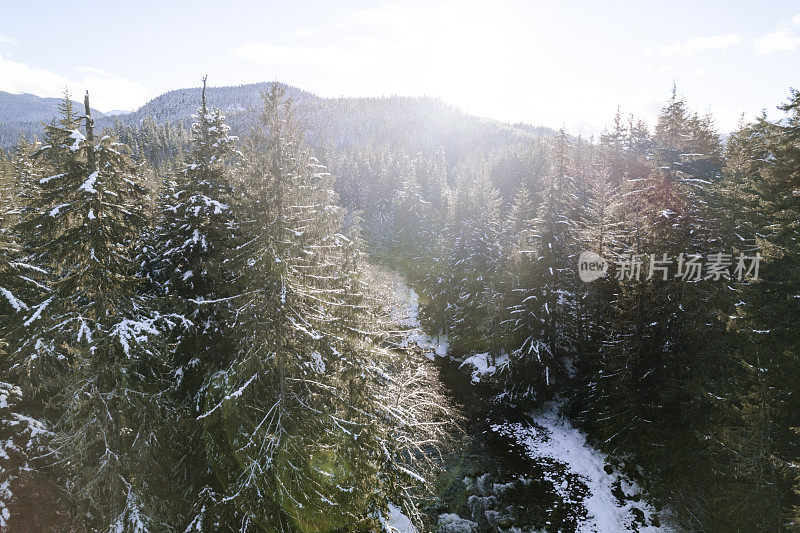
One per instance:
(180,104)
(409,123)
(24,107)
(24,113)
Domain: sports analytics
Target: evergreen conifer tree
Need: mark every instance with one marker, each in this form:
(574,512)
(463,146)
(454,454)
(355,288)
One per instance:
(190,265)
(297,429)
(543,296)
(86,351)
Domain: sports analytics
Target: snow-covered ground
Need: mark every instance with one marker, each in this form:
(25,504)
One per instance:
(405,310)
(397,522)
(552,437)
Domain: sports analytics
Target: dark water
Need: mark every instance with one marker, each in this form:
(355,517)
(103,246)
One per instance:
(492,482)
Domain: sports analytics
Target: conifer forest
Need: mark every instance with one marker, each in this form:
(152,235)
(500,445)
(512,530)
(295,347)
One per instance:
(252,308)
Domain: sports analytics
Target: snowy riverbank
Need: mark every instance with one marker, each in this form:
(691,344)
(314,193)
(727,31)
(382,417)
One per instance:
(600,497)
(612,501)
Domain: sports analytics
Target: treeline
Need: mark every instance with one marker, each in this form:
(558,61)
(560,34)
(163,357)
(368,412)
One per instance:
(203,356)
(158,145)
(689,373)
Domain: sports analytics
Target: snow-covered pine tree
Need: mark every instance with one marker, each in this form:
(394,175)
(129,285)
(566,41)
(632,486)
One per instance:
(520,214)
(516,237)
(433,183)
(379,215)
(9,248)
(438,284)
(411,221)
(20,482)
(87,352)
(195,237)
(756,436)
(12,204)
(22,190)
(606,393)
(24,175)
(297,429)
(542,299)
(664,343)
(189,265)
(473,261)
(581,184)
(599,231)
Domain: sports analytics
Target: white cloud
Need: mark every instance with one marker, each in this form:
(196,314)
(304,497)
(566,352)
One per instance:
(796,19)
(701,44)
(7,39)
(107,90)
(304,33)
(782,39)
(110,92)
(373,43)
(16,77)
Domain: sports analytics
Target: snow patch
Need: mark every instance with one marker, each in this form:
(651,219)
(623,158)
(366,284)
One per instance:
(555,438)
(397,522)
(484,365)
(35,316)
(17,304)
(48,178)
(406,311)
(88,185)
(57,210)
(317,362)
(78,137)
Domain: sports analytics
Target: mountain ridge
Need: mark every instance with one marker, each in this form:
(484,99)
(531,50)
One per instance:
(26,107)
(418,123)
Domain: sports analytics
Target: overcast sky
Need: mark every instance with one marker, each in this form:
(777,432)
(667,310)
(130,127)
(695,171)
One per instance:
(549,63)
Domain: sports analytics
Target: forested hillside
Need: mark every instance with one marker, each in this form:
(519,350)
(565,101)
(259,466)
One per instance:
(27,108)
(159,130)
(277,312)
(26,113)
